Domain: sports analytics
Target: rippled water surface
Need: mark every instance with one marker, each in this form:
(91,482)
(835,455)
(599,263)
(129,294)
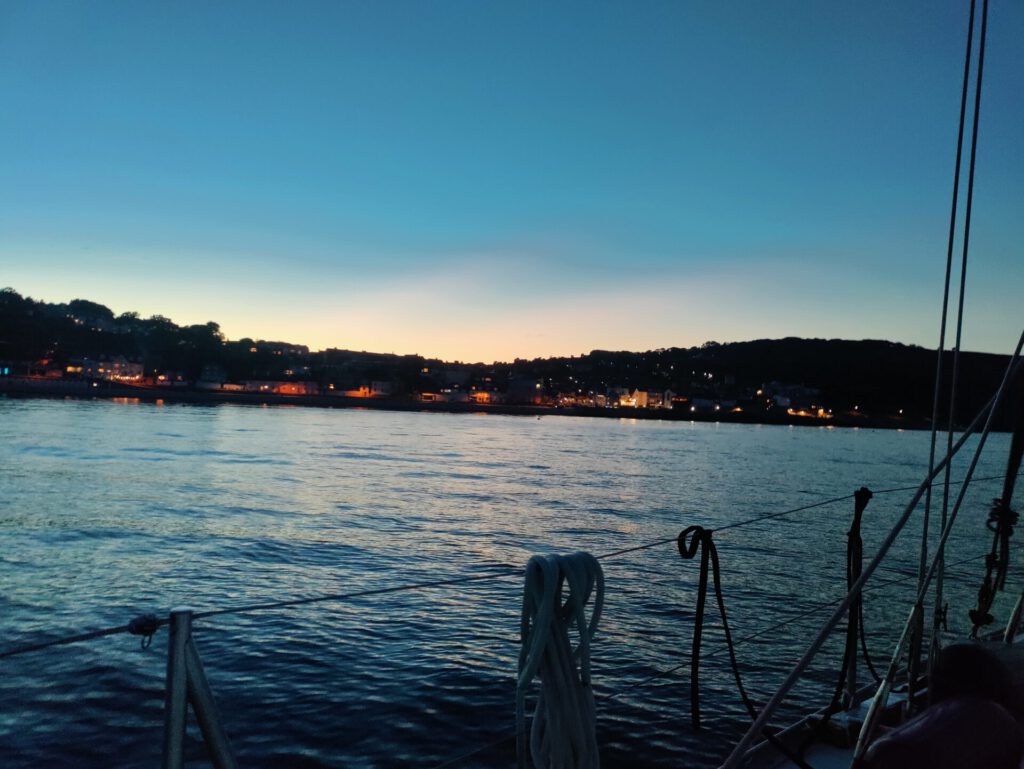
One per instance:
(112,509)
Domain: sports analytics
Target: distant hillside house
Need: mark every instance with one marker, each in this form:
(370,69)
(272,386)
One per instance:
(116,369)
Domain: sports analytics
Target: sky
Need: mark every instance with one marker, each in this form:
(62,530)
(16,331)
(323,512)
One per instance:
(482,181)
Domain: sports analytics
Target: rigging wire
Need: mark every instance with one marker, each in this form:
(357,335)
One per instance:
(945,294)
(963,267)
(769,516)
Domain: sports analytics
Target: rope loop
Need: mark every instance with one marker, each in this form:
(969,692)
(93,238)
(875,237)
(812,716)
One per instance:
(693,538)
(690,540)
(145,625)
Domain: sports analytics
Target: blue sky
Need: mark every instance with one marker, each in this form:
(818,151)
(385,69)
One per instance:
(482,181)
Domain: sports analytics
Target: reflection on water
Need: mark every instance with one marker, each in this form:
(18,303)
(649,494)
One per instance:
(107,512)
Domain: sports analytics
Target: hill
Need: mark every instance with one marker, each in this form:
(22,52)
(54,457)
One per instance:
(874,377)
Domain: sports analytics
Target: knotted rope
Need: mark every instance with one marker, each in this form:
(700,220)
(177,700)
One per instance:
(145,625)
(562,734)
(1001,521)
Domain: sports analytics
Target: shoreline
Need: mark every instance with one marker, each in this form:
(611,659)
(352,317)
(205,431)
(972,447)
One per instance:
(42,388)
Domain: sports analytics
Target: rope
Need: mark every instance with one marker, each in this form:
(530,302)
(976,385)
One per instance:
(146,626)
(563,733)
(690,540)
(854,566)
(1001,521)
(846,679)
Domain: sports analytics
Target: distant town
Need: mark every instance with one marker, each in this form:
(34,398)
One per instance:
(83,348)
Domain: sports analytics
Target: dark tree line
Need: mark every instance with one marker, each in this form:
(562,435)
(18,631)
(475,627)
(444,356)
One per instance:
(33,331)
(877,377)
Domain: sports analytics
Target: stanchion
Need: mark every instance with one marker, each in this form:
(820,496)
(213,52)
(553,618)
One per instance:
(186,683)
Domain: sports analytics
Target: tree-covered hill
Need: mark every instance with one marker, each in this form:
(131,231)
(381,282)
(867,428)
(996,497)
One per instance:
(872,376)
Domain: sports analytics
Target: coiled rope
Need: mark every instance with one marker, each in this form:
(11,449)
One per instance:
(563,734)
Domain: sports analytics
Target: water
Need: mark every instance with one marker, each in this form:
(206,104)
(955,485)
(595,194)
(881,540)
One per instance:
(112,509)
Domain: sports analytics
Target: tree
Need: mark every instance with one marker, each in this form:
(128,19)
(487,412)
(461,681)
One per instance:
(11,299)
(86,310)
(214,329)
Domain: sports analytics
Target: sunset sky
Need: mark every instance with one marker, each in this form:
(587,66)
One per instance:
(481,180)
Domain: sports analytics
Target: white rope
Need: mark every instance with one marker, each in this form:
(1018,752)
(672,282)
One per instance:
(563,733)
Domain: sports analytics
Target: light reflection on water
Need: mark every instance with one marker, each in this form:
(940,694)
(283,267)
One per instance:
(108,510)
